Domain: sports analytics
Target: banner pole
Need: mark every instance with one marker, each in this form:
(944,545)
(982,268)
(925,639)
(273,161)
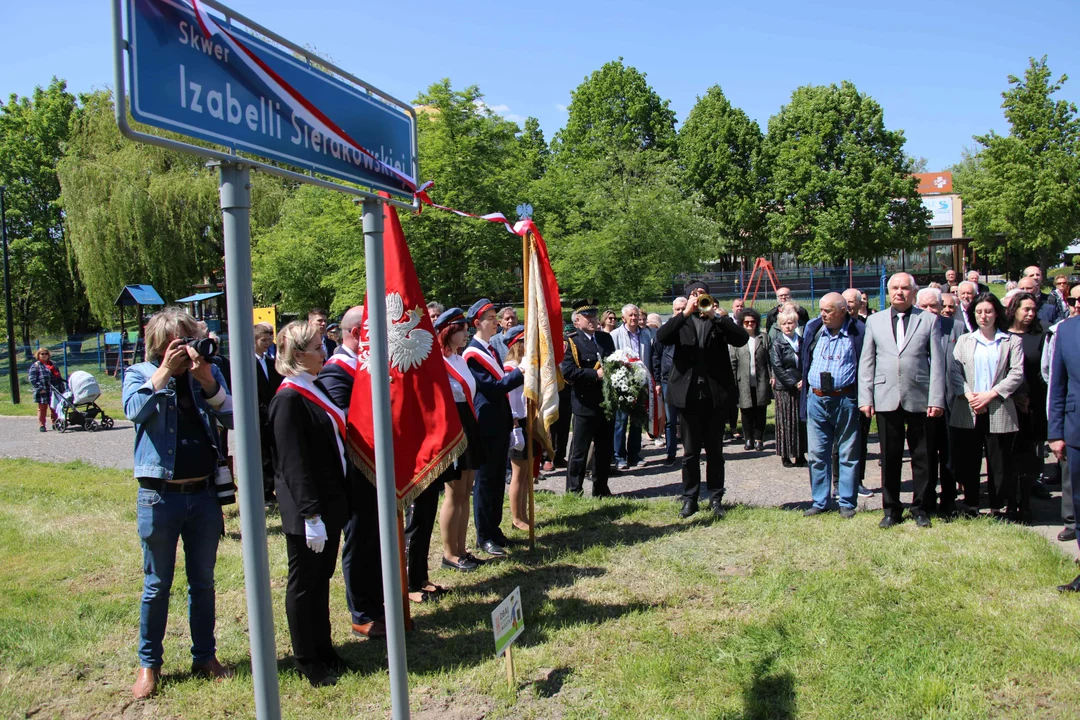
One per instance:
(389,545)
(530,407)
(235,215)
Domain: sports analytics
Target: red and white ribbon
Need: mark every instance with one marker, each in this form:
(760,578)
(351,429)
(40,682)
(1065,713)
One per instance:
(463,382)
(422,196)
(304,385)
(349,363)
(481,356)
(297,103)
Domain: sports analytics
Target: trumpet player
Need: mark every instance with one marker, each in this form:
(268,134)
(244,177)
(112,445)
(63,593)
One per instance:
(702,386)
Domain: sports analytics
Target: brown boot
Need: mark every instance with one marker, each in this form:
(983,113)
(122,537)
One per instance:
(146,683)
(212,670)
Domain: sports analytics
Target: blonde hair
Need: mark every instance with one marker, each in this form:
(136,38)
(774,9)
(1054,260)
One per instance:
(292,340)
(516,352)
(170,321)
(37,355)
(787,314)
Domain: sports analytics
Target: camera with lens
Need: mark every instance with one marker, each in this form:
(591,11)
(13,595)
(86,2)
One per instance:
(206,347)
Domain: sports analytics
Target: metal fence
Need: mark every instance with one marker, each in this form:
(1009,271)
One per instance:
(807,285)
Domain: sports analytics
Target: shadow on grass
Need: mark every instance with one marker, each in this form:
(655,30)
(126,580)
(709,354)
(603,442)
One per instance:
(770,695)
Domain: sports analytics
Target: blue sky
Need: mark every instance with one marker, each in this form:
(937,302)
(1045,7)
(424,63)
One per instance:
(937,68)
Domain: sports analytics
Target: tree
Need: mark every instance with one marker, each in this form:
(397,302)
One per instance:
(137,213)
(620,228)
(314,255)
(839,185)
(45,291)
(534,150)
(616,109)
(474,157)
(1023,187)
(719,148)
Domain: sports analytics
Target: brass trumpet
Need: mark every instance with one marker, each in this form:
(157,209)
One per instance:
(704,302)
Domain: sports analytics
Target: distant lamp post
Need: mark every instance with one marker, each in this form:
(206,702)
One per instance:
(13,369)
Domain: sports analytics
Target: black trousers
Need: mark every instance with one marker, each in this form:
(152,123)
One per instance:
(937,447)
(894,428)
(753,419)
(562,426)
(590,430)
(307,597)
(733,416)
(703,427)
(361,564)
(967,460)
(419,524)
(489,487)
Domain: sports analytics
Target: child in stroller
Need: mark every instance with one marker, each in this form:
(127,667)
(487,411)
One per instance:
(78,406)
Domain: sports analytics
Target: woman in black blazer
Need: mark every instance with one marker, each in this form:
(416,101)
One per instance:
(309,462)
(787,382)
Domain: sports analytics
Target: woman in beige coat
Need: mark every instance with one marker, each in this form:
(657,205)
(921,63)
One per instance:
(752,375)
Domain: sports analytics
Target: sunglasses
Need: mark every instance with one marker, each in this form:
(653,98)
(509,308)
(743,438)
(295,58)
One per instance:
(1072,301)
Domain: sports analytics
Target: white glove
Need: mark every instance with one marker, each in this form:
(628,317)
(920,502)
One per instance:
(315,533)
(517,439)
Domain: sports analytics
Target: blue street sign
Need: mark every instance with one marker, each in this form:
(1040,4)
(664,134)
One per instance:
(194,85)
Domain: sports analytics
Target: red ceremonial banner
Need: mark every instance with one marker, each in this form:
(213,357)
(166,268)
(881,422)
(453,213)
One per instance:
(427,429)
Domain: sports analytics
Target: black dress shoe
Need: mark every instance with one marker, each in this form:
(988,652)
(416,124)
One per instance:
(1067,534)
(670,462)
(601,492)
(788,464)
(1074,586)
(335,662)
(748,445)
(847,513)
(717,508)
(922,520)
(493,548)
(1038,490)
(812,511)
(760,445)
(689,507)
(462,565)
(800,461)
(317,673)
(889,521)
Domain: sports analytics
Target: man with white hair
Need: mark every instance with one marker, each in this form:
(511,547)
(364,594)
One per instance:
(783,297)
(853,298)
(948,306)
(966,293)
(973,278)
(630,337)
(902,381)
(829,359)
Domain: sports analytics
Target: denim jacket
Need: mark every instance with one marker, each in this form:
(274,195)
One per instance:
(155,416)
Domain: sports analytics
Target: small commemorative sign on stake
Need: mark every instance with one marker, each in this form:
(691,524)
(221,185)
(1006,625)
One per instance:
(508,622)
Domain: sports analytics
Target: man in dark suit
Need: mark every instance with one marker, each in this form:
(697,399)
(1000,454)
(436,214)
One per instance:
(585,348)
(937,428)
(1064,417)
(316,317)
(267,381)
(495,420)
(662,358)
(360,561)
(702,387)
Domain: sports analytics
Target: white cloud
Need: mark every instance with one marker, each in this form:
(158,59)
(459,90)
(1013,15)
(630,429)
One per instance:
(560,107)
(502,110)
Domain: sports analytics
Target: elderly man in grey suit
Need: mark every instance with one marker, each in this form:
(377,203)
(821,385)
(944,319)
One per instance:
(902,381)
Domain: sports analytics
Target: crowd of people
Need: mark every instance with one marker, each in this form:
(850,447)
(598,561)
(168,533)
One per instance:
(949,372)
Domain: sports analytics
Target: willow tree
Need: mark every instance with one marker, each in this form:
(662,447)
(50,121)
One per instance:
(137,213)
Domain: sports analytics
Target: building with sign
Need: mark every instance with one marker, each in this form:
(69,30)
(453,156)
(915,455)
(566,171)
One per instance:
(947,246)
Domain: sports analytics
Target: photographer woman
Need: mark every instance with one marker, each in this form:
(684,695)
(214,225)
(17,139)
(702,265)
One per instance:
(309,462)
(170,398)
(44,375)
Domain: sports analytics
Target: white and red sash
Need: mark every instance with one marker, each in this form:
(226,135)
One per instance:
(345,361)
(462,381)
(485,359)
(305,385)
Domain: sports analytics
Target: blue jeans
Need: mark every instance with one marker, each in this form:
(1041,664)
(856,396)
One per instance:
(671,437)
(627,440)
(832,421)
(163,519)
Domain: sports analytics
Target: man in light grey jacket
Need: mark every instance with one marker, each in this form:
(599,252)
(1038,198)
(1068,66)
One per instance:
(902,381)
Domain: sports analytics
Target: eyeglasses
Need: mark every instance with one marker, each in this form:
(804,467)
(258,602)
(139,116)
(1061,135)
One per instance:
(1072,301)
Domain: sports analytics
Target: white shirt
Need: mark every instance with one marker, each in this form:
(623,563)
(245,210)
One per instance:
(462,368)
(752,347)
(985,359)
(516,397)
(262,364)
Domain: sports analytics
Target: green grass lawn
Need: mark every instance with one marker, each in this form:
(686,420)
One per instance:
(629,612)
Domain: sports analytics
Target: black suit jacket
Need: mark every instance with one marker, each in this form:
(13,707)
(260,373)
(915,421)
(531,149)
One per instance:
(784,362)
(267,384)
(338,382)
(713,361)
(308,477)
(579,369)
(492,405)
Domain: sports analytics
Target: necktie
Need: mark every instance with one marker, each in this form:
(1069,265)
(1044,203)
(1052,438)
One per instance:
(899,330)
(494,353)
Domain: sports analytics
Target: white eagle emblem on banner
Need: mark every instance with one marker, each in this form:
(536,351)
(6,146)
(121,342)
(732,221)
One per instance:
(408,345)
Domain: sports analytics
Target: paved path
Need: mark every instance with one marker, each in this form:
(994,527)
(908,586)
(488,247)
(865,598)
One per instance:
(752,478)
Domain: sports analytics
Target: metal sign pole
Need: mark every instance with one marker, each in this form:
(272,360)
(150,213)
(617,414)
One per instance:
(384,457)
(235,215)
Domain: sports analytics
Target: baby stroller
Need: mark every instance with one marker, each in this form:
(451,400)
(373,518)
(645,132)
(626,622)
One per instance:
(78,406)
